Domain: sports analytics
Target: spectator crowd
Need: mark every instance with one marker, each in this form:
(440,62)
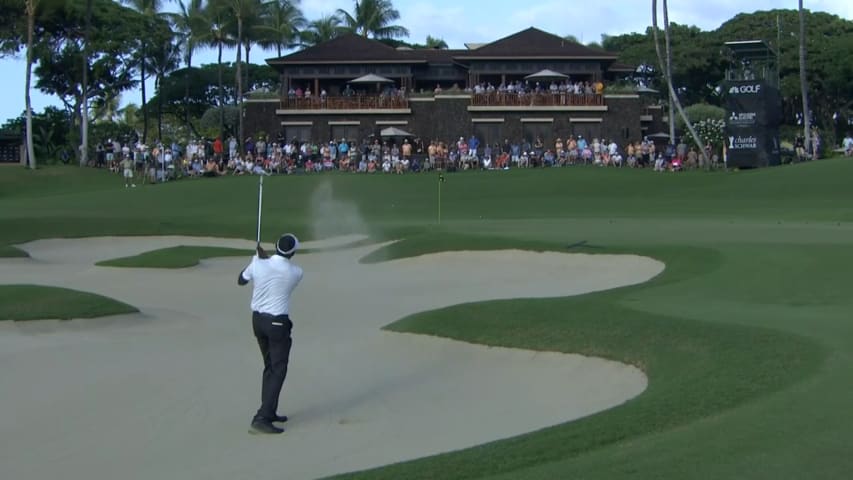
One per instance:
(263,156)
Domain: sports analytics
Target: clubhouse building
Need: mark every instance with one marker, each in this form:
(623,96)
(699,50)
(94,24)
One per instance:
(531,84)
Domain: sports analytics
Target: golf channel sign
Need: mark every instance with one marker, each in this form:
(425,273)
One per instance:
(749,89)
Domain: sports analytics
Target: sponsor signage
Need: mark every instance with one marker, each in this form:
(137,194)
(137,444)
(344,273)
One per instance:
(742,119)
(748,89)
(747,142)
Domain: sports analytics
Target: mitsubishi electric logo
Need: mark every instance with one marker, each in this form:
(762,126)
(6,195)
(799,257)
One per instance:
(745,89)
(743,143)
(742,119)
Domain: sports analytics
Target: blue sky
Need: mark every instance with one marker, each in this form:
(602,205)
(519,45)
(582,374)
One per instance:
(461,21)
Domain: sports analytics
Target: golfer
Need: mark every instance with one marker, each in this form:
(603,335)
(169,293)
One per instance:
(274,279)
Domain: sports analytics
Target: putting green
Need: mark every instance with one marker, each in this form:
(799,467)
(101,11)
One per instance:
(745,337)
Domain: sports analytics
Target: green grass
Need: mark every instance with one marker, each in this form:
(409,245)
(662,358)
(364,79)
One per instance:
(35,302)
(746,336)
(8,251)
(182,256)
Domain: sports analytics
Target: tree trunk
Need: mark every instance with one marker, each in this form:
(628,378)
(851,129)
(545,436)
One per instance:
(84,120)
(221,93)
(669,71)
(187,88)
(246,83)
(669,80)
(159,107)
(31,18)
(807,122)
(144,108)
(239,85)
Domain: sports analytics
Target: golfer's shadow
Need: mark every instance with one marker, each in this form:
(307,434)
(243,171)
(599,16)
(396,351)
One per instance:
(377,392)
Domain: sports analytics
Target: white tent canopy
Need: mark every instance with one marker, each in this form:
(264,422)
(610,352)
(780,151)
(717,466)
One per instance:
(394,132)
(371,78)
(546,75)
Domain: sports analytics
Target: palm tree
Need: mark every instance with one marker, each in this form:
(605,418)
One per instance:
(283,22)
(807,127)
(84,121)
(150,9)
(166,58)
(435,43)
(321,30)
(194,30)
(668,76)
(247,14)
(216,14)
(31,7)
(105,109)
(373,19)
(669,69)
(254,18)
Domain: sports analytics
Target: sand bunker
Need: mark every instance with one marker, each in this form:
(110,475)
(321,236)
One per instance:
(169,393)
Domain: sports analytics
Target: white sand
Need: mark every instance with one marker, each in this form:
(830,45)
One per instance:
(169,393)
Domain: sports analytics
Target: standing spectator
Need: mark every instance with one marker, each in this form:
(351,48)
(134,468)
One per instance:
(250,145)
(217,149)
(127,172)
(473,145)
(847,144)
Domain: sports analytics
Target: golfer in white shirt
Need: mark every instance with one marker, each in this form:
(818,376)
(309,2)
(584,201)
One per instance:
(274,280)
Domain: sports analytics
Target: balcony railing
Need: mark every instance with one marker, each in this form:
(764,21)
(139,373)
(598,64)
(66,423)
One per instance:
(498,99)
(358,102)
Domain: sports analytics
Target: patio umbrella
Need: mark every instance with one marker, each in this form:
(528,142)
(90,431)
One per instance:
(371,78)
(645,89)
(546,75)
(659,135)
(394,132)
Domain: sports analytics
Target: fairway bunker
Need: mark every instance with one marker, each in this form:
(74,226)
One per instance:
(168,393)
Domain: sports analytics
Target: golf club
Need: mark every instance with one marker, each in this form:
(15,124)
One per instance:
(260,250)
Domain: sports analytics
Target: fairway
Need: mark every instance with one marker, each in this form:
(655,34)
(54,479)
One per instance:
(745,337)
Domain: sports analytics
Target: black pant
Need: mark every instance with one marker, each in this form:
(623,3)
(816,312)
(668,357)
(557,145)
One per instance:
(273,334)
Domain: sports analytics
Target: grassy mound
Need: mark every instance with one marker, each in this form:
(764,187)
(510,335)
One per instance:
(35,302)
(182,256)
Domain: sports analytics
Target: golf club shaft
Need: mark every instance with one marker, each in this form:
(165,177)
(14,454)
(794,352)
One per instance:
(260,204)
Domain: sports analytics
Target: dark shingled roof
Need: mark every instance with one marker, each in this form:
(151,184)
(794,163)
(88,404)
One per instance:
(349,48)
(621,67)
(536,43)
(437,56)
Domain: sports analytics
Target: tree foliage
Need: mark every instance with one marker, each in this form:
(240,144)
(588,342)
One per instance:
(699,60)
(373,18)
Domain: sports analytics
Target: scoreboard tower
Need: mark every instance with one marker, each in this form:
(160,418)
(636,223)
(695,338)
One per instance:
(753,105)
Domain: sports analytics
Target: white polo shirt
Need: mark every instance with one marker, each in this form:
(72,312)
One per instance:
(274,279)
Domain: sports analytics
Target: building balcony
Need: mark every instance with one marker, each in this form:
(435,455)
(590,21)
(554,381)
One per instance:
(344,104)
(537,101)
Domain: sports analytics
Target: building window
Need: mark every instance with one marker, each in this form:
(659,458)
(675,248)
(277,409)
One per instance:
(488,132)
(301,133)
(349,132)
(533,130)
(588,130)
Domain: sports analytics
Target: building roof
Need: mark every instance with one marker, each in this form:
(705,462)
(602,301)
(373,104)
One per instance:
(529,43)
(348,48)
(535,43)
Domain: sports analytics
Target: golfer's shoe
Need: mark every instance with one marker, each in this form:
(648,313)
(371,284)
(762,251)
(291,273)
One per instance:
(280,418)
(261,428)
